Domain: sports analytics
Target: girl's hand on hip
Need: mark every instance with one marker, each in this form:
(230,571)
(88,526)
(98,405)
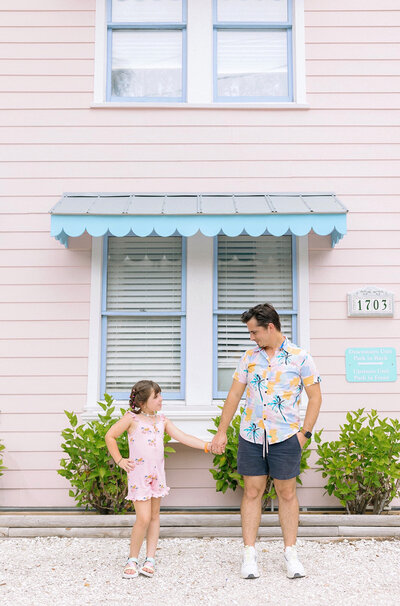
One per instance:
(127,464)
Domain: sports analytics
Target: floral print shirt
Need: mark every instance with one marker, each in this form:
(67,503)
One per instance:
(273,391)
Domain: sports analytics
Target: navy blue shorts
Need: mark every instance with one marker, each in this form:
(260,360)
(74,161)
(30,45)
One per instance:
(282,461)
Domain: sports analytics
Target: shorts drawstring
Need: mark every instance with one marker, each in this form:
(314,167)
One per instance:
(265,445)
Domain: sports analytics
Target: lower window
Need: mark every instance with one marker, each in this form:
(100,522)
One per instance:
(143,314)
(249,271)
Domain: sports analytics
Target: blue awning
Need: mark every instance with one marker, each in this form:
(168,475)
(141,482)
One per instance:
(142,215)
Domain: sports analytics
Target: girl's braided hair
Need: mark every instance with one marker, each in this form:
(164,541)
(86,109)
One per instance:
(141,392)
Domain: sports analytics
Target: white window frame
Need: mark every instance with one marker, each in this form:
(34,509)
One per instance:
(200,65)
(194,413)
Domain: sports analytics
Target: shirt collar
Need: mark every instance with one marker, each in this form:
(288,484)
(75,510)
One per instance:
(283,346)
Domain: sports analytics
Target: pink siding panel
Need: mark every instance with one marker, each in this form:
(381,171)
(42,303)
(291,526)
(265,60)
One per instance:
(46,67)
(26,35)
(252,134)
(42,403)
(373,18)
(44,84)
(53,18)
(382,159)
(50,5)
(44,347)
(173,117)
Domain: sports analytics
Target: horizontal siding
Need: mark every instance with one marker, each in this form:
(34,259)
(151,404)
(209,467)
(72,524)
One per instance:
(169,134)
(56,17)
(49,5)
(42,404)
(45,67)
(215,183)
(173,117)
(380,157)
(205,169)
(347,141)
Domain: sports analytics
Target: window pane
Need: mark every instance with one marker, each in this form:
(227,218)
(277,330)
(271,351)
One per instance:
(147,11)
(250,271)
(233,340)
(147,64)
(252,10)
(143,348)
(252,64)
(255,270)
(144,274)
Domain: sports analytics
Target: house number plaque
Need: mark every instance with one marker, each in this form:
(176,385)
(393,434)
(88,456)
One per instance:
(370,301)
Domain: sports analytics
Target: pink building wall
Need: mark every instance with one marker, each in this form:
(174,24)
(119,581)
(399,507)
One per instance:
(348,141)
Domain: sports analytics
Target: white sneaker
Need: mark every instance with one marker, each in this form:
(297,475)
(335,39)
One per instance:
(249,564)
(294,567)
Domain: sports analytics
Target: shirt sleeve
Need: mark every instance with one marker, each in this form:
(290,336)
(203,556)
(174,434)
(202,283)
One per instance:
(308,372)
(241,371)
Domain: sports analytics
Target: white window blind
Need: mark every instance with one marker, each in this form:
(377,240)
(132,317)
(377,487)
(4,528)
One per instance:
(144,314)
(146,45)
(249,271)
(254,57)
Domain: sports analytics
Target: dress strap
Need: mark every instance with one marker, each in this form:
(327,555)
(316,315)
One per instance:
(130,412)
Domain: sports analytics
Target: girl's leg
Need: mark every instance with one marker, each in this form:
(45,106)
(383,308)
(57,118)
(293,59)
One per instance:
(153,532)
(143,518)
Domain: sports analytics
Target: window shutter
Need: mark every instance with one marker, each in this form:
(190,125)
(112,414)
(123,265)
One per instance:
(144,313)
(250,271)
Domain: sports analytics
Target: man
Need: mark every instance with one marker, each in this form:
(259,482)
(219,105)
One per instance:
(271,440)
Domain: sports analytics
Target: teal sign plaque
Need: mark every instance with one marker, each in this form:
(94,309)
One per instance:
(371,364)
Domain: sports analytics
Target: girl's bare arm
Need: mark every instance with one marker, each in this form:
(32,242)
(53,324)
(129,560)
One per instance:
(185,438)
(111,441)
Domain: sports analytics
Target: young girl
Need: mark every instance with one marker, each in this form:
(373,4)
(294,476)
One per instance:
(145,467)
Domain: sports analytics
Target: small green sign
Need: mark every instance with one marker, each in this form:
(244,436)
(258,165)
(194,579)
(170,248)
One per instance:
(371,364)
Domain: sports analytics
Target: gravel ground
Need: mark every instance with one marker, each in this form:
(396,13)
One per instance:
(193,572)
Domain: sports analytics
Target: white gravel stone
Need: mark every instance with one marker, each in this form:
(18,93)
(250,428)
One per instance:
(193,572)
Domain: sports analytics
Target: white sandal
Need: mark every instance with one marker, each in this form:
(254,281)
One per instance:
(150,567)
(131,564)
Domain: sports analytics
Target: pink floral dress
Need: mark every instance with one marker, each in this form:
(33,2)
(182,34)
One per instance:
(146,449)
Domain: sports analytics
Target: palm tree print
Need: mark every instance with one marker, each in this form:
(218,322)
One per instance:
(258,383)
(278,404)
(252,430)
(285,355)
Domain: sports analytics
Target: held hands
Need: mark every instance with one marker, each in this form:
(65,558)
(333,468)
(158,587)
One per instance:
(217,446)
(126,464)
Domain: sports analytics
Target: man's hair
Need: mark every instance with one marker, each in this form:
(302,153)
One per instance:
(264,313)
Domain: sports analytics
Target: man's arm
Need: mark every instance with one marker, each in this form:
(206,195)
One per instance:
(231,403)
(314,404)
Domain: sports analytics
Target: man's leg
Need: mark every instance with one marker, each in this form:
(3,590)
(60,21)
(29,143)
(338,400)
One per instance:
(288,509)
(289,519)
(254,487)
(250,510)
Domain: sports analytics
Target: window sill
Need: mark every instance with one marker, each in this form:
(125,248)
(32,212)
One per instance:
(263,106)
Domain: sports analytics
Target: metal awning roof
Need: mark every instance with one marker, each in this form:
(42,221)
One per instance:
(185,214)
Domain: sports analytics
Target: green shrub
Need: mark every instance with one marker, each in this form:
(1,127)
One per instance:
(225,465)
(363,466)
(95,479)
(2,447)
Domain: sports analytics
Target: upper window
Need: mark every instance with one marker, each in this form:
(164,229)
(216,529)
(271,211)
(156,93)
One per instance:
(143,314)
(202,51)
(253,50)
(249,271)
(146,50)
